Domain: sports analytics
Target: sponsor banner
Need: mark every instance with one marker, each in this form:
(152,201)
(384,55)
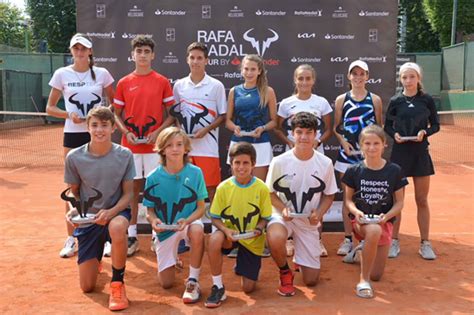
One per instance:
(327,35)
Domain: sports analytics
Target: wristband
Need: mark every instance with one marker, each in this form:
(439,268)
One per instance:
(264,127)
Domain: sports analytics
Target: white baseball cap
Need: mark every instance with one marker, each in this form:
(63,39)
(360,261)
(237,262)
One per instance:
(80,39)
(412,66)
(358,63)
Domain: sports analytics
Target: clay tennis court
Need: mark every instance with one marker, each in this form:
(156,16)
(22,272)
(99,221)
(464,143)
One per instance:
(34,278)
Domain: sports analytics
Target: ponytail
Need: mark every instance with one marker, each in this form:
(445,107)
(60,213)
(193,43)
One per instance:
(91,65)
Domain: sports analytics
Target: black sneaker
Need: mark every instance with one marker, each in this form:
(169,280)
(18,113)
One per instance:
(216,297)
(132,246)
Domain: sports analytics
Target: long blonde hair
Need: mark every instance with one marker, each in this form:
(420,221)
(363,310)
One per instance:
(262,81)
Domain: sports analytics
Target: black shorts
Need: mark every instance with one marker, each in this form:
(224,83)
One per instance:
(248,264)
(414,161)
(92,239)
(74,140)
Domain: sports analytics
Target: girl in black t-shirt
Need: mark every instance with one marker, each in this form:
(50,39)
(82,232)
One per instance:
(373,187)
(412,113)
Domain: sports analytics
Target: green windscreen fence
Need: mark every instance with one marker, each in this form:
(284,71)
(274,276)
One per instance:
(469,70)
(453,70)
(21,91)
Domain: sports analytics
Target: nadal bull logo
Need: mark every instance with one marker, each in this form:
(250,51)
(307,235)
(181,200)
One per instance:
(305,196)
(176,208)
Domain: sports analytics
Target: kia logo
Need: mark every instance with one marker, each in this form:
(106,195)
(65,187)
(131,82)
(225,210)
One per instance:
(306,35)
(374,81)
(339,59)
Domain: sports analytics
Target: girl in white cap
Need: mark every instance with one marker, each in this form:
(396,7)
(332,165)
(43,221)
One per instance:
(82,85)
(354,110)
(411,119)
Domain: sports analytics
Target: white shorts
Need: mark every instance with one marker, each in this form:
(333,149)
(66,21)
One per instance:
(167,251)
(305,240)
(341,167)
(145,163)
(264,153)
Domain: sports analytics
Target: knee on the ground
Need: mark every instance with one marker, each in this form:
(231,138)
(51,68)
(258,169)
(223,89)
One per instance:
(310,282)
(87,287)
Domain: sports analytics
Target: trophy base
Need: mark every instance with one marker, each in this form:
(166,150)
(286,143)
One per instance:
(243,236)
(247,133)
(356,152)
(299,215)
(141,140)
(370,220)
(409,138)
(88,219)
(169,227)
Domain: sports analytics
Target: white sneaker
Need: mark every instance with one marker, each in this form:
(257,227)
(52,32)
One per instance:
(107,249)
(345,247)
(324,251)
(354,255)
(132,246)
(192,293)
(69,248)
(233,253)
(394,250)
(426,251)
(290,248)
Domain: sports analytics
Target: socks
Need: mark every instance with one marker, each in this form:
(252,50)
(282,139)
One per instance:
(349,237)
(194,273)
(117,274)
(132,230)
(285,267)
(217,281)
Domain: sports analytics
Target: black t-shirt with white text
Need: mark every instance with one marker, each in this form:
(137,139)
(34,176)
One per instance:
(374,189)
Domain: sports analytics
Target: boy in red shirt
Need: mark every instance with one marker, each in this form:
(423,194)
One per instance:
(141,103)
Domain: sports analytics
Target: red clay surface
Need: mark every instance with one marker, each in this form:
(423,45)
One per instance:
(35,279)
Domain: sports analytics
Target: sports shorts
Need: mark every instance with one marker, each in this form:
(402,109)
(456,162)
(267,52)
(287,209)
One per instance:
(305,238)
(145,163)
(74,140)
(385,238)
(248,264)
(91,239)
(167,250)
(211,169)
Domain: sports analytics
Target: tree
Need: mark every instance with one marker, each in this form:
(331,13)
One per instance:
(440,12)
(12,26)
(53,21)
(420,36)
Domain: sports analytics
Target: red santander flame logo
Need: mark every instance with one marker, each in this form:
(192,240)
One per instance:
(235,61)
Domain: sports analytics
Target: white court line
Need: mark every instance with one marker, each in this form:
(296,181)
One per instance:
(468,167)
(16,170)
(442,233)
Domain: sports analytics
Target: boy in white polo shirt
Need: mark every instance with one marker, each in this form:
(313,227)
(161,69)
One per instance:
(200,109)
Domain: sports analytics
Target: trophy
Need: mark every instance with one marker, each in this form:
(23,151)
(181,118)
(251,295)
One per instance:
(243,233)
(351,134)
(244,133)
(83,219)
(295,214)
(194,117)
(140,132)
(408,127)
(84,108)
(371,211)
